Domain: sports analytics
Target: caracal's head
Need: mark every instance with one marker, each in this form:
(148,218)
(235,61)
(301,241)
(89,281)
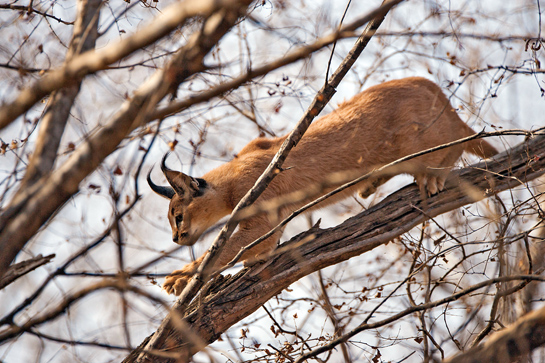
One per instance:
(194,204)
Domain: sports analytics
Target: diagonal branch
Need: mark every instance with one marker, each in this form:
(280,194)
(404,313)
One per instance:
(321,99)
(230,300)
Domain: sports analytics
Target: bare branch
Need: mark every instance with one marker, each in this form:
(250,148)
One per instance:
(119,284)
(58,108)
(30,10)
(22,268)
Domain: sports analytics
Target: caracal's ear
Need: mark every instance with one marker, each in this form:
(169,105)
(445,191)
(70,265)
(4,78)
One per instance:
(184,185)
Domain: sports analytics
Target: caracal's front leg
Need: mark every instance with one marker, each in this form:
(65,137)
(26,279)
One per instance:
(177,280)
(249,230)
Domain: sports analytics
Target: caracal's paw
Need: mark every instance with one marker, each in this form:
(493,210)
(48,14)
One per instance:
(371,188)
(366,192)
(177,281)
(431,183)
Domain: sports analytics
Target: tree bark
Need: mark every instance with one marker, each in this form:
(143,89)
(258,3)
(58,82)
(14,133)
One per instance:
(231,299)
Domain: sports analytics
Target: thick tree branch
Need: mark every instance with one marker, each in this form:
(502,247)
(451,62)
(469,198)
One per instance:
(227,302)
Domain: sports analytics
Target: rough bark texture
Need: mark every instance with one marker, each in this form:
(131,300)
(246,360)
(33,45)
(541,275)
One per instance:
(231,299)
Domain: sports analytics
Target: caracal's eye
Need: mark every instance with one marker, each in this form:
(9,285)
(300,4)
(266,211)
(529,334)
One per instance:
(179,218)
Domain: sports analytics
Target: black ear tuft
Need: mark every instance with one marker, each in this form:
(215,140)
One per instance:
(166,192)
(202,185)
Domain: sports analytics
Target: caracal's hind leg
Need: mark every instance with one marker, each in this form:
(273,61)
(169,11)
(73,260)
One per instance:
(438,167)
(442,178)
(440,173)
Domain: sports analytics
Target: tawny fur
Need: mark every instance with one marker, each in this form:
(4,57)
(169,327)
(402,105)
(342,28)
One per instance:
(376,127)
